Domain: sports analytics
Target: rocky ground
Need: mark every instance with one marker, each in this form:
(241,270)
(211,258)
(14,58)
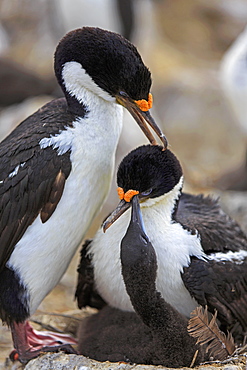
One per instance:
(68,362)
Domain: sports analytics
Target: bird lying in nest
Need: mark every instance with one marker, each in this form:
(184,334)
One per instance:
(201,252)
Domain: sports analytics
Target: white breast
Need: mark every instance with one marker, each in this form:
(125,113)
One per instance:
(173,246)
(42,256)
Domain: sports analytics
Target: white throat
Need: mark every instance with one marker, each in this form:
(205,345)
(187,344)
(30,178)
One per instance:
(78,84)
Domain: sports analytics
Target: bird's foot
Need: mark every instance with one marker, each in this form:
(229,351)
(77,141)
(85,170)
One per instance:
(46,338)
(29,343)
(33,352)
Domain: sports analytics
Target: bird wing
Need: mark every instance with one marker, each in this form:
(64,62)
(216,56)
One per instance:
(31,179)
(221,285)
(86,293)
(218,232)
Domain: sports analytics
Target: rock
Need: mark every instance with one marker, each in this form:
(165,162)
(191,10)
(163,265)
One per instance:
(60,361)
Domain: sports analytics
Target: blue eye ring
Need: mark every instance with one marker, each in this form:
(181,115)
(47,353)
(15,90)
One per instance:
(146,192)
(124,94)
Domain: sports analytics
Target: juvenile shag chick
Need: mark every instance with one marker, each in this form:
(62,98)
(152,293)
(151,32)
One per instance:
(157,334)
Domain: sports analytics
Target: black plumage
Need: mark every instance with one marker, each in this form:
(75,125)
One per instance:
(86,293)
(117,65)
(221,285)
(149,179)
(38,185)
(203,214)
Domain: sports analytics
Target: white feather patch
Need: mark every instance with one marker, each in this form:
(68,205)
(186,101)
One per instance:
(234,257)
(16,169)
(62,141)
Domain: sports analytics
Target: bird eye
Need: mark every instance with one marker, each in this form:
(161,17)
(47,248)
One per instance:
(122,93)
(146,192)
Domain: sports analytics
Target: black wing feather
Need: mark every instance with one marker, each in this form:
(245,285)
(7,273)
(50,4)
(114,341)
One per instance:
(218,232)
(38,182)
(86,293)
(221,285)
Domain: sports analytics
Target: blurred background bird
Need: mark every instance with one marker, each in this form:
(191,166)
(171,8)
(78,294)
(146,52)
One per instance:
(233,76)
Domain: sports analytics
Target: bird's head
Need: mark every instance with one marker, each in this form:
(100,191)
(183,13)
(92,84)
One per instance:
(137,253)
(111,67)
(146,172)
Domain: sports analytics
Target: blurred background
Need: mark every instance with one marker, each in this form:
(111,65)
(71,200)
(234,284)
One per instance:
(199,89)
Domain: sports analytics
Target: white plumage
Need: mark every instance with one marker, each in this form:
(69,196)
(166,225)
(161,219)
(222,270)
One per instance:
(173,246)
(85,191)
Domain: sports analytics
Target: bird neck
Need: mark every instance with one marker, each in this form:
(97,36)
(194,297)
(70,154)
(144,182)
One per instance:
(81,92)
(75,107)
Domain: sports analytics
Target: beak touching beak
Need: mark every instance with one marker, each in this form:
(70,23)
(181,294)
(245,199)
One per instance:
(142,117)
(136,215)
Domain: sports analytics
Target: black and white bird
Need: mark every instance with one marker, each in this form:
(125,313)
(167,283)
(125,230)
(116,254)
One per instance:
(201,252)
(56,169)
(157,333)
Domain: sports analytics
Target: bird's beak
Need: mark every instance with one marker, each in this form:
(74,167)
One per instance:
(136,215)
(142,118)
(121,208)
